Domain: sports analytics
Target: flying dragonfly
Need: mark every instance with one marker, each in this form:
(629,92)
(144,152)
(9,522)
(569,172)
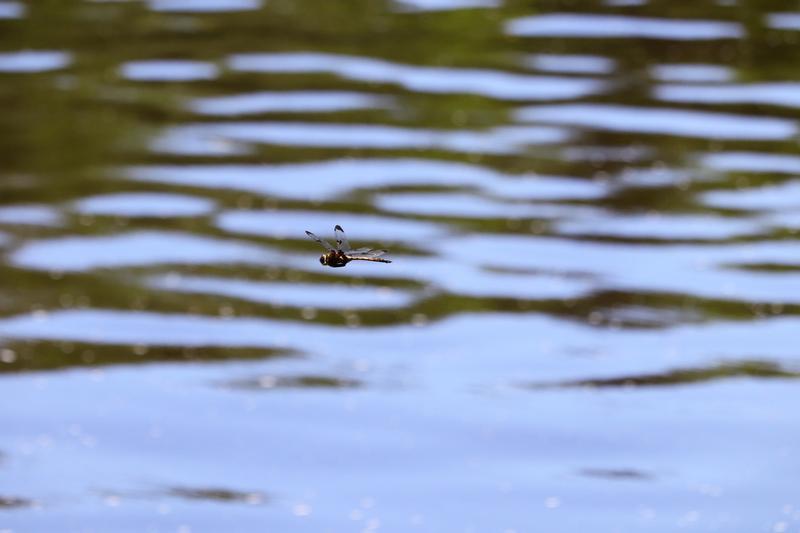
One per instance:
(343,254)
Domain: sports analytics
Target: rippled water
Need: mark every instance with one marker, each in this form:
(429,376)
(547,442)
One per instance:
(590,322)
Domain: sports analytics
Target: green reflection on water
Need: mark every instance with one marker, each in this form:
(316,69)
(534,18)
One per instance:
(64,133)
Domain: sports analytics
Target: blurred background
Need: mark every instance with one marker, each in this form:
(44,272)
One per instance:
(592,318)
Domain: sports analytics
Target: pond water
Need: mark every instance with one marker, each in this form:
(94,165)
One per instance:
(592,317)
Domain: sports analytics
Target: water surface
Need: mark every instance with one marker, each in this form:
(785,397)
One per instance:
(591,318)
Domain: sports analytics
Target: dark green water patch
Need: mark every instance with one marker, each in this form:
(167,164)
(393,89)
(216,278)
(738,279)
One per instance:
(315,381)
(682,376)
(29,356)
(616,474)
(8,503)
(216,494)
(771,268)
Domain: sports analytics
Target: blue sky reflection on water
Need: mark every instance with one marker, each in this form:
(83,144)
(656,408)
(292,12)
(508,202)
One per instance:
(198,6)
(498,141)
(328,179)
(772,94)
(284,224)
(287,101)
(662,121)
(131,249)
(168,70)
(486,345)
(588,324)
(529,435)
(291,294)
(589,26)
(518,423)
(574,64)
(11,10)
(33,61)
(493,84)
(692,73)
(144,205)
(29,214)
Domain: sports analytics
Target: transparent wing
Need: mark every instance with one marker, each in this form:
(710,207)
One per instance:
(324,243)
(358,251)
(341,241)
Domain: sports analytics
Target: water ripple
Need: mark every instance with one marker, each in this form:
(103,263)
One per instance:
(618,26)
(752,162)
(317,295)
(469,278)
(11,10)
(287,102)
(473,206)
(16,502)
(539,187)
(698,270)
(488,337)
(784,21)
(34,61)
(126,327)
(446,5)
(174,70)
(661,226)
(144,248)
(691,72)
(771,197)
(359,227)
(324,135)
(204,6)
(328,179)
(772,94)
(659,121)
(574,64)
(219,495)
(445,80)
(686,376)
(452,204)
(178,141)
(130,204)
(30,215)
(272,382)
(315,181)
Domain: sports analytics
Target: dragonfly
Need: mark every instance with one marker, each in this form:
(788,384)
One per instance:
(343,254)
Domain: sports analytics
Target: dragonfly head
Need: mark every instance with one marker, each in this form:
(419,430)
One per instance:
(323,259)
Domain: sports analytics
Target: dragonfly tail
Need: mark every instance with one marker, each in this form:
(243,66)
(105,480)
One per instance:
(374,259)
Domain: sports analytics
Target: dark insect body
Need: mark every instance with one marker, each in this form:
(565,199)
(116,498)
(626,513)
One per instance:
(343,254)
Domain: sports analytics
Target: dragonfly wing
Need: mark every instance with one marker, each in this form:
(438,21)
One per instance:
(341,240)
(324,243)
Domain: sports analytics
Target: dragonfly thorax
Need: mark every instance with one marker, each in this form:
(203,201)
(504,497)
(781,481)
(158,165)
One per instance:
(334,258)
